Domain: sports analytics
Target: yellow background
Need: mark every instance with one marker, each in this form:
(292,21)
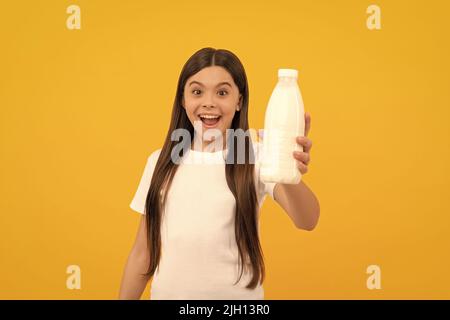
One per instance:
(81,110)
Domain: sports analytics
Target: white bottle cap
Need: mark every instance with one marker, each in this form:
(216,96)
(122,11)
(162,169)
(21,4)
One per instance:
(293,73)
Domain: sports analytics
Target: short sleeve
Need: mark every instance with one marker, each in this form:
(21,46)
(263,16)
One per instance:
(263,188)
(138,201)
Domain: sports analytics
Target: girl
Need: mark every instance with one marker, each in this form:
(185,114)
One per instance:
(199,232)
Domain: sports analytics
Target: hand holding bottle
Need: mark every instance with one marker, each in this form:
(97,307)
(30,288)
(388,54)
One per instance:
(303,158)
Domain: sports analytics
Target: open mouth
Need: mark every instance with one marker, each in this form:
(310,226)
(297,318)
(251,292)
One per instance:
(210,120)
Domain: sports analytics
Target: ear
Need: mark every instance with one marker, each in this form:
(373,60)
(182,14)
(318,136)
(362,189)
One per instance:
(240,102)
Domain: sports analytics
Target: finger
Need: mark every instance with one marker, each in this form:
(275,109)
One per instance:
(307,123)
(305,143)
(302,167)
(302,156)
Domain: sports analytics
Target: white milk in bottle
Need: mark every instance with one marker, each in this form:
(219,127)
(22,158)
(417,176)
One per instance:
(284,121)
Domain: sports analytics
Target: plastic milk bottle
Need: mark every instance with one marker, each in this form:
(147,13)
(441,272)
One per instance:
(284,121)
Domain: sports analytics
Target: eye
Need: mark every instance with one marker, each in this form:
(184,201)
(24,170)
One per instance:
(195,91)
(226,92)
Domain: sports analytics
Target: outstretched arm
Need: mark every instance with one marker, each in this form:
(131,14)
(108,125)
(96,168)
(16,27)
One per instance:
(300,204)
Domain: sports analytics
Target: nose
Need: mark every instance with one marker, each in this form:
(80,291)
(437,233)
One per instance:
(209,101)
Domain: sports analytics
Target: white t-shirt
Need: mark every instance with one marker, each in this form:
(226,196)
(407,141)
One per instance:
(199,254)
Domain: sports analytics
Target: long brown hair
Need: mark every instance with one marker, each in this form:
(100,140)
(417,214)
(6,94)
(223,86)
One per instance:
(240,176)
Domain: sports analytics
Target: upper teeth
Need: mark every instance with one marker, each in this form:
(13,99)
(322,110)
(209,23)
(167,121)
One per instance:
(209,116)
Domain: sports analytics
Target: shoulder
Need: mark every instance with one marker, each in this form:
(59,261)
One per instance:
(263,188)
(151,161)
(154,156)
(138,202)
(257,151)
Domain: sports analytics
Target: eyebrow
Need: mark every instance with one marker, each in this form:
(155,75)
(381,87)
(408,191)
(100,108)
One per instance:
(227,83)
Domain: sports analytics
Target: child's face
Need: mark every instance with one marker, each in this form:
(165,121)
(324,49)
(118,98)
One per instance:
(207,92)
